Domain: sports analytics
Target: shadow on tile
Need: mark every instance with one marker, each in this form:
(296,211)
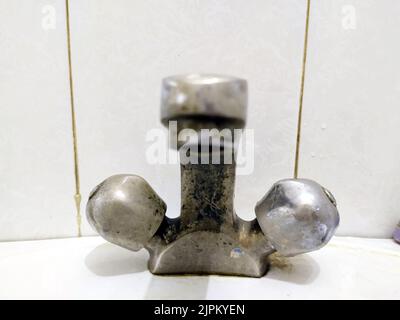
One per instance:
(301,269)
(110,260)
(177,287)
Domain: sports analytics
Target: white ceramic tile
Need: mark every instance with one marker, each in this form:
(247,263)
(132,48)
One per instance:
(89,268)
(121,51)
(350,140)
(36,168)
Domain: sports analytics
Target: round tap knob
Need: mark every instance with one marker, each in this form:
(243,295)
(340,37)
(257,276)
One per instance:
(297,216)
(125,210)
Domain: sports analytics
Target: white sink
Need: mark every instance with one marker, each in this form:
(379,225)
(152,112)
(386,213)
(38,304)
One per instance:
(90,268)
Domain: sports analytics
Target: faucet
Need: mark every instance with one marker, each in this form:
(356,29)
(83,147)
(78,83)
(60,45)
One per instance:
(295,216)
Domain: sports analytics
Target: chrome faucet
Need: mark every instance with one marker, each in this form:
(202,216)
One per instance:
(294,217)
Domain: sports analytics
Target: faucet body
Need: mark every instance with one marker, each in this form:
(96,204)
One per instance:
(208,237)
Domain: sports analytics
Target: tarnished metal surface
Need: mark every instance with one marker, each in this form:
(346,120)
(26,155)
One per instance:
(199,95)
(125,210)
(297,216)
(208,237)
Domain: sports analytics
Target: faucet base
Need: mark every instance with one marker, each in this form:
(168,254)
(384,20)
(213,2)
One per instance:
(236,250)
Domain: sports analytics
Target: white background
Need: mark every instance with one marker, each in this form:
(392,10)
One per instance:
(122,48)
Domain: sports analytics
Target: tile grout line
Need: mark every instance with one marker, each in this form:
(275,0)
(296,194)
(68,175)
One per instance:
(300,114)
(77,196)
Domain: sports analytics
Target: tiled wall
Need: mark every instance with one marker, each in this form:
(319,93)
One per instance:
(351,133)
(122,48)
(36,159)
